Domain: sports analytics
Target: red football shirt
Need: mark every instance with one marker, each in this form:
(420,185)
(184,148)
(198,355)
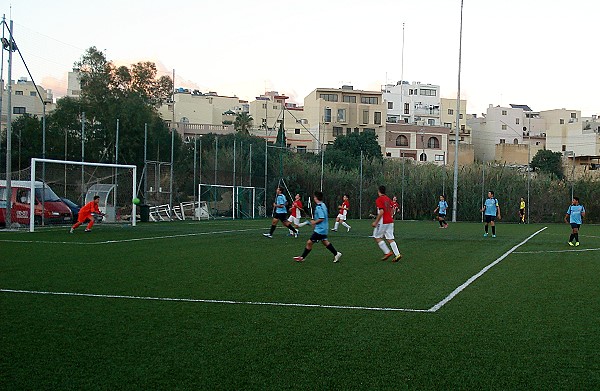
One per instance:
(384,202)
(345,206)
(296,205)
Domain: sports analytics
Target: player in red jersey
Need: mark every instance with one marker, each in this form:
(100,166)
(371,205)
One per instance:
(295,213)
(86,214)
(384,226)
(342,215)
(395,206)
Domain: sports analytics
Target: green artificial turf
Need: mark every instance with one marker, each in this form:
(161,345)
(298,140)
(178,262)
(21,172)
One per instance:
(529,322)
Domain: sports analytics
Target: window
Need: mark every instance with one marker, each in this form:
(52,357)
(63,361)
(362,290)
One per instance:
(406,108)
(390,105)
(517,120)
(349,98)
(574,115)
(402,141)
(23,196)
(448,125)
(462,128)
(348,131)
(327,115)
(370,100)
(356,130)
(388,154)
(341,115)
(264,105)
(460,116)
(564,148)
(275,107)
(562,121)
(504,112)
(502,141)
(301,148)
(439,158)
(405,120)
(516,141)
(427,92)
(329,97)
(377,118)
(19,110)
(504,127)
(365,117)
(18,92)
(423,157)
(338,131)
(433,143)
(369,130)
(430,121)
(392,119)
(450,112)
(2,194)
(296,131)
(32,93)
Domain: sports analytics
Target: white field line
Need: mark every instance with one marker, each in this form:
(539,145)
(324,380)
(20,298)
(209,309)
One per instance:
(557,251)
(213,301)
(131,240)
(476,276)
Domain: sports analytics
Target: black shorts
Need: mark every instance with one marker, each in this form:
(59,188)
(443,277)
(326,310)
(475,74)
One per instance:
(575,225)
(280,216)
(521,212)
(315,237)
(489,218)
(442,215)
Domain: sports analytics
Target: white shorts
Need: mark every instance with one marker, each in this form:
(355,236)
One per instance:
(342,216)
(384,231)
(294,220)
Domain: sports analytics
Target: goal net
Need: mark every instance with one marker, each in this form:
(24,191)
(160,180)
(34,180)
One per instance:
(56,182)
(232,202)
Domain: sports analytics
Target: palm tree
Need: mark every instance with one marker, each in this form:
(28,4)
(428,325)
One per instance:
(243,122)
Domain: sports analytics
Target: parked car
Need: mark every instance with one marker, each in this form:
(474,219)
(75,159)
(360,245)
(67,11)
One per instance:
(55,212)
(73,206)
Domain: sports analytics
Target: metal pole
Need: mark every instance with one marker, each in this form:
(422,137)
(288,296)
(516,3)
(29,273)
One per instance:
(82,157)
(361,184)
(195,163)
(216,158)
(483,190)
(2,75)
(457,135)
(116,172)
(145,163)
(528,168)
(43,163)
(8,215)
(402,78)
(234,189)
(250,165)
(266,163)
(172,163)
(402,209)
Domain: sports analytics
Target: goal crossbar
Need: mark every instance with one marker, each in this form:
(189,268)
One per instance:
(111,165)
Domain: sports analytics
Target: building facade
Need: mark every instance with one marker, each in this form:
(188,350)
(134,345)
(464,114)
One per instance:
(416,103)
(420,143)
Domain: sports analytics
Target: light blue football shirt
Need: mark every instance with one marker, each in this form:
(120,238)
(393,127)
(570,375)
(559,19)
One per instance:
(491,207)
(574,213)
(281,200)
(443,205)
(321,213)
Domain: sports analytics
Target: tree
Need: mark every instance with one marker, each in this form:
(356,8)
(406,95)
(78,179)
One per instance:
(548,162)
(345,151)
(243,122)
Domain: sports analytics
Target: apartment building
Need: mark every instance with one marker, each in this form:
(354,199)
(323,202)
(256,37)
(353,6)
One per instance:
(25,99)
(567,133)
(332,112)
(412,103)
(448,119)
(420,143)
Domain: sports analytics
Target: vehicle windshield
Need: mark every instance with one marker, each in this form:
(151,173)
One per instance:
(49,195)
(69,203)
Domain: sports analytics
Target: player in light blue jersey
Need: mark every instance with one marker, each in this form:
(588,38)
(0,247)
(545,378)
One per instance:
(492,210)
(442,210)
(574,216)
(280,214)
(321,226)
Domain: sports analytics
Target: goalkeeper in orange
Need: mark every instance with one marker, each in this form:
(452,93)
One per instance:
(86,215)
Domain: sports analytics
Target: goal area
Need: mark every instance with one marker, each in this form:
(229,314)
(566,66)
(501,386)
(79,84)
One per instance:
(231,202)
(54,181)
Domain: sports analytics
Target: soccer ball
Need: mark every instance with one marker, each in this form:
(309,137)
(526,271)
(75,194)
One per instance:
(136,201)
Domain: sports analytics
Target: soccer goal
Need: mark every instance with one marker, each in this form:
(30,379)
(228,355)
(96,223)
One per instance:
(232,202)
(60,181)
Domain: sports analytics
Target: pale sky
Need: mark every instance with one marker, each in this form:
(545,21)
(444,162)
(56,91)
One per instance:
(536,52)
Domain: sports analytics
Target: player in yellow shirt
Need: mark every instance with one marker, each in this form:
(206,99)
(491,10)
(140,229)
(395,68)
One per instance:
(522,211)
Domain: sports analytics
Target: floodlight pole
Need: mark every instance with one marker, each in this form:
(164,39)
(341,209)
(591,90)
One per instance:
(8,217)
(145,163)
(82,156)
(456,134)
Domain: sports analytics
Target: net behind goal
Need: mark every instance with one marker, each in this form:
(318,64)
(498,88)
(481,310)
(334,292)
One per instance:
(79,182)
(232,202)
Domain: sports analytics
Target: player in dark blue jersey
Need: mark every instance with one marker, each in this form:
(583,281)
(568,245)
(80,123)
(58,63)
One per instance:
(574,216)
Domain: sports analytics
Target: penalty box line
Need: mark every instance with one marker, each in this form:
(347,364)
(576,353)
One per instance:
(133,239)
(481,273)
(187,300)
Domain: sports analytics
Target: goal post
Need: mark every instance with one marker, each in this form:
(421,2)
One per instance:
(231,202)
(107,172)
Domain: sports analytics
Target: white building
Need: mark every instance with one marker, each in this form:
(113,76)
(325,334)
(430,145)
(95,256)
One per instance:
(25,99)
(415,104)
(567,133)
